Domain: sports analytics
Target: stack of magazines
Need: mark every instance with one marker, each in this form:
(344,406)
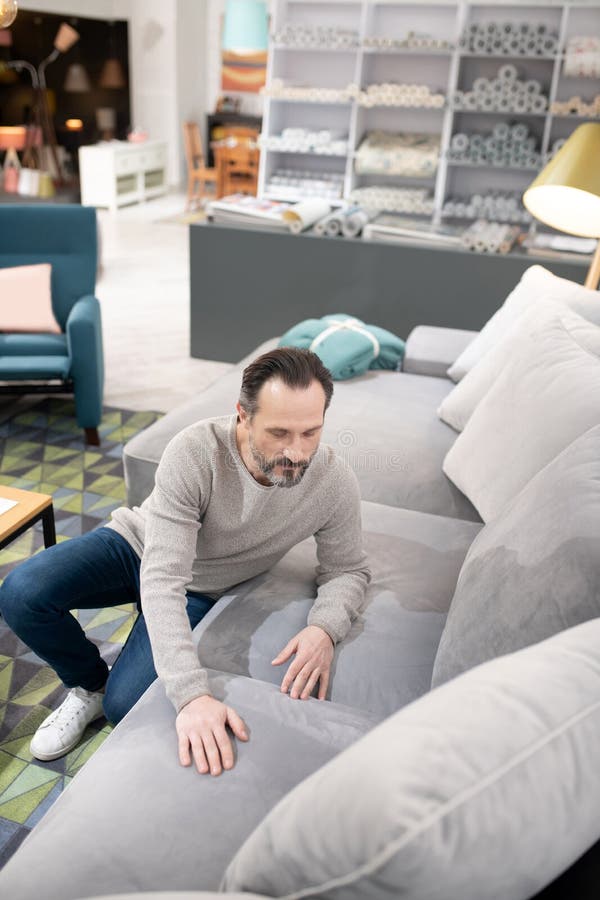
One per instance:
(272,215)
(246,211)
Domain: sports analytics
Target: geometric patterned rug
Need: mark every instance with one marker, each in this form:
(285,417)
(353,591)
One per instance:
(42,449)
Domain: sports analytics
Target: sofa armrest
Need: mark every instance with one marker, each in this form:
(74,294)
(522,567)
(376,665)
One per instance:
(431,350)
(84,341)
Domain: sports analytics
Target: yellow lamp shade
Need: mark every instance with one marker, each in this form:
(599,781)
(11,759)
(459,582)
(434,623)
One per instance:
(566,193)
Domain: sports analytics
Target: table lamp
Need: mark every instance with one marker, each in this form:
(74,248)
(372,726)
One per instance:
(566,193)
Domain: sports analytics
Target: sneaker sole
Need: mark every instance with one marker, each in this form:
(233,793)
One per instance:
(49,757)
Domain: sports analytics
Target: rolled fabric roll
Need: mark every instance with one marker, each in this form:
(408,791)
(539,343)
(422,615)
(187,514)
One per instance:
(507,72)
(501,130)
(459,141)
(354,221)
(519,131)
(327,225)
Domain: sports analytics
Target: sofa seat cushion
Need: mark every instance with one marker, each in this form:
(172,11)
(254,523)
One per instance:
(383,423)
(387,659)
(17,368)
(486,788)
(134,819)
(33,345)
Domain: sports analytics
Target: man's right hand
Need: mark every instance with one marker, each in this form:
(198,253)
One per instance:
(201,726)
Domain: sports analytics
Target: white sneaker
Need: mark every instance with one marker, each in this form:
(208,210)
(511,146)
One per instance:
(63,729)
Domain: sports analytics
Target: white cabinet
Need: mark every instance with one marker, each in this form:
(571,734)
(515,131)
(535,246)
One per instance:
(117,173)
(369,47)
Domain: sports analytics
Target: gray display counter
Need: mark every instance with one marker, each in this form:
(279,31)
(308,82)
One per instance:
(247,285)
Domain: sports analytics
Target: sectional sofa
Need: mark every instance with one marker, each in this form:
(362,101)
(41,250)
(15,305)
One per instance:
(485,786)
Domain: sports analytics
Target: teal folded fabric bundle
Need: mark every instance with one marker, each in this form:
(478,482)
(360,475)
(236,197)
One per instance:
(346,345)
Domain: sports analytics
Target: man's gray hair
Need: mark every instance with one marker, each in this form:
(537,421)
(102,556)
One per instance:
(296,368)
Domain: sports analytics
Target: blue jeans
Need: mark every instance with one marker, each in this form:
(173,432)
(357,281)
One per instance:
(98,569)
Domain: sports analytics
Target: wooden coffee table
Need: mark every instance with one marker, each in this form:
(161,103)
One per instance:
(30,508)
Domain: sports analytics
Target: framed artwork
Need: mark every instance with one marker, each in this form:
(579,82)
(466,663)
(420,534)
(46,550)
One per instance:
(245,39)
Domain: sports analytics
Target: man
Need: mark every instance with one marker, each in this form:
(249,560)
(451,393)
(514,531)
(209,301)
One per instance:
(232,495)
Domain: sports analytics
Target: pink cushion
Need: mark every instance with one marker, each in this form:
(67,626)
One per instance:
(26,299)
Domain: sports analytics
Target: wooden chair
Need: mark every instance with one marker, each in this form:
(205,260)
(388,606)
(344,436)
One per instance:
(237,167)
(199,175)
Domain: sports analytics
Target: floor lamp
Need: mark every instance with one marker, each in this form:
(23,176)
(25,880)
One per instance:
(566,193)
(66,36)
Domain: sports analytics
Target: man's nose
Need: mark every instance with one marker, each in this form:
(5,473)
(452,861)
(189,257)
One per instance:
(293,451)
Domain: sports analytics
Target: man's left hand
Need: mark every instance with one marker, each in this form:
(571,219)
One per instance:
(314,654)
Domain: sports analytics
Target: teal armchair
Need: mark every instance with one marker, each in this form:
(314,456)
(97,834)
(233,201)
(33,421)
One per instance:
(71,362)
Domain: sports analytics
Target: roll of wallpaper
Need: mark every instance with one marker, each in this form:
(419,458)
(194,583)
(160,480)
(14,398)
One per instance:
(393,94)
(575,106)
(503,93)
(582,57)
(294,35)
(512,38)
(382,198)
(353,222)
(302,140)
(504,146)
(412,41)
(412,154)
(490,237)
(304,214)
(279,90)
(493,206)
(299,183)
(329,225)
(332,225)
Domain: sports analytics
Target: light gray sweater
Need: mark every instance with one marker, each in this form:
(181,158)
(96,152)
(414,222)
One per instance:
(208,525)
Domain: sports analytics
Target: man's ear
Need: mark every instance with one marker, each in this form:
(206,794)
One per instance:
(242,414)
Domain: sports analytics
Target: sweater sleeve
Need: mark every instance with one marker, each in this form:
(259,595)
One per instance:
(172,524)
(342,573)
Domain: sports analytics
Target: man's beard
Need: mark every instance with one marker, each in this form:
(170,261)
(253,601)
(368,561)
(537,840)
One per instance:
(288,479)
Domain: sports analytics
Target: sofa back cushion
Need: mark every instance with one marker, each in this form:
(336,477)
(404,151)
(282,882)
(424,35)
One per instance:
(536,284)
(486,787)
(26,300)
(534,570)
(458,406)
(546,395)
(61,234)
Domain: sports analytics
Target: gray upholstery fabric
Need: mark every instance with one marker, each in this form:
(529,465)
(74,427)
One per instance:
(383,423)
(486,788)
(387,659)
(534,570)
(180,895)
(135,819)
(536,285)
(546,396)
(431,350)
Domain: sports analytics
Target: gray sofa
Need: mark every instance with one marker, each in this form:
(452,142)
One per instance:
(134,820)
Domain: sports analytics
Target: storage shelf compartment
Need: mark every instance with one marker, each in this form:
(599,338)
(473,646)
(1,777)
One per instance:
(406,51)
(443,69)
(470,165)
(154,178)
(467,54)
(127,184)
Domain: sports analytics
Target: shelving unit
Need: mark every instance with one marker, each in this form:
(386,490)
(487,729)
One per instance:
(441,70)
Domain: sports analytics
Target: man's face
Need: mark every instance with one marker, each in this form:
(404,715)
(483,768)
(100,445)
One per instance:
(284,433)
